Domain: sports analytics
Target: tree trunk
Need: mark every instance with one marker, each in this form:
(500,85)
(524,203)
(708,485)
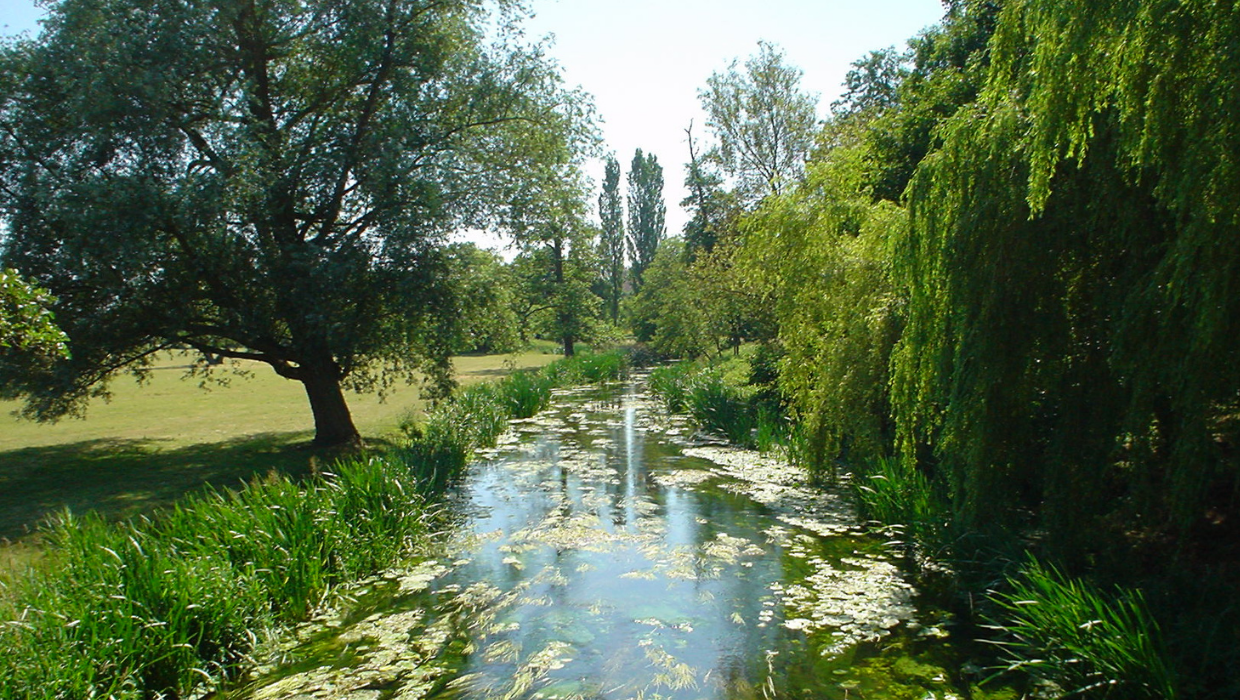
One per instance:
(333,424)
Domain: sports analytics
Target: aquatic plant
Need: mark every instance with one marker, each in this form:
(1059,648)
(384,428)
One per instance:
(588,368)
(671,383)
(440,445)
(155,607)
(1087,642)
(721,407)
(893,492)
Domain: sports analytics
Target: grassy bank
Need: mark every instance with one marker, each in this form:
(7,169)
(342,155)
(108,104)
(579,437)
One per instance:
(154,444)
(157,606)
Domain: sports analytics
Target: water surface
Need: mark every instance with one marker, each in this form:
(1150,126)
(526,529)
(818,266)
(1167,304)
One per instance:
(605,551)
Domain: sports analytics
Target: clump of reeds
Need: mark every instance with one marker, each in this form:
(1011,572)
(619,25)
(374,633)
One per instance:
(1088,643)
(440,445)
(155,607)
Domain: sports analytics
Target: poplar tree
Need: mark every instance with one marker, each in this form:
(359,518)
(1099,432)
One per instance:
(611,239)
(647,212)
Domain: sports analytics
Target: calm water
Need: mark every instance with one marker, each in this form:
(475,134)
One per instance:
(605,552)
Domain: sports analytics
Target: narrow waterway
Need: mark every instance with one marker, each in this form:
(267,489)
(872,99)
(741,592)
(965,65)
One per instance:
(605,551)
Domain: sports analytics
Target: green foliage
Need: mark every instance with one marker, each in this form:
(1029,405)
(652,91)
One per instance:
(483,289)
(156,607)
(693,309)
(1071,331)
(720,399)
(872,86)
(672,383)
(764,124)
(824,249)
(588,368)
(647,213)
(439,447)
(1088,643)
(712,208)
(611,237)
(721,407)
(559,265)
(27,324)
(892,492)
(265,180)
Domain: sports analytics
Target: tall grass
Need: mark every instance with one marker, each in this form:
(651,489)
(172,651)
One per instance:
(672,383)
(721,404)
(1089,644)
(722,408)
(155,607)
(893,492)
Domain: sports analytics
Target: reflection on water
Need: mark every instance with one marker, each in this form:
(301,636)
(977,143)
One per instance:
(603,554)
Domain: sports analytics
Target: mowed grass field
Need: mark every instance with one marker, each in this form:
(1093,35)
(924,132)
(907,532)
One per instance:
(154,443)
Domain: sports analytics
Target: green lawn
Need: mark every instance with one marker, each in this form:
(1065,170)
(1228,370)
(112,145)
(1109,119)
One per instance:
(154,443)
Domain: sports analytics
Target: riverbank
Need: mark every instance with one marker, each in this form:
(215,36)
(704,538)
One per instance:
(1065,635)
(154,444)
(159,606)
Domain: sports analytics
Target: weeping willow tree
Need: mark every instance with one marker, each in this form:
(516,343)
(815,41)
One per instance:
(824,250)
(1072,274)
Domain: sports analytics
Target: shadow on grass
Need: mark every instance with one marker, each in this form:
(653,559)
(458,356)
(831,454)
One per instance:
(121,478)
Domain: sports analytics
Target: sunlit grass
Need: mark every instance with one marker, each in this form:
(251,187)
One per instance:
(153,444)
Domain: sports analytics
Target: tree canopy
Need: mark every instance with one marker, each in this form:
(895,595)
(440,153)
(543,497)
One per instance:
(764,125)
(263,180)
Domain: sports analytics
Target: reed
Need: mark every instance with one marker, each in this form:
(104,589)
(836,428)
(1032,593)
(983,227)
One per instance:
(1090,644)
(158,606)
(894,493)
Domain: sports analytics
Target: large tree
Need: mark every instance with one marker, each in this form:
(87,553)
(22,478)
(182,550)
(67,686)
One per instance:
(647,212)
(764,124)
(261,180)
(611,238)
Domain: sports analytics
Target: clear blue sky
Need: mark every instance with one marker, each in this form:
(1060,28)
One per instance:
(645,60)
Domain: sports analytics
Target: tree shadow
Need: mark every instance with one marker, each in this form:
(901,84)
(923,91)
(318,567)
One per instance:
(121,478)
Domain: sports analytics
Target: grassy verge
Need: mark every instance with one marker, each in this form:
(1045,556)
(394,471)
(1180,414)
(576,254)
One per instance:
(157,606)
(154,444)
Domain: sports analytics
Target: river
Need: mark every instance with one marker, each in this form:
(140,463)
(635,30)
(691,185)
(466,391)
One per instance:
(604,550)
